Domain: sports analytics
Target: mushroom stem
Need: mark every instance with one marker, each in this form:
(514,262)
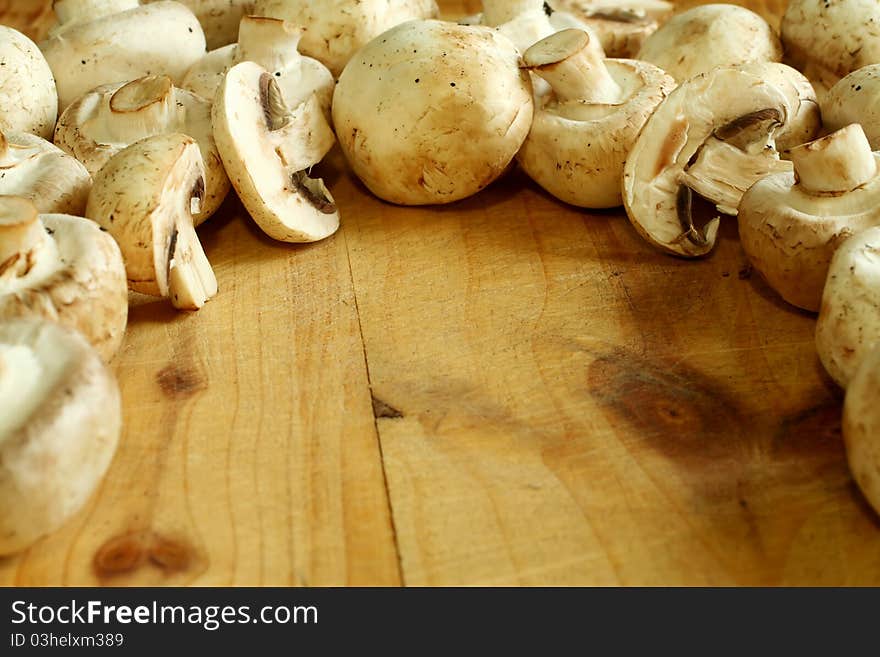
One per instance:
(496,12)
(835,164)
(575,70)
(75,11)
(21,230)
(139,109)
(269,42)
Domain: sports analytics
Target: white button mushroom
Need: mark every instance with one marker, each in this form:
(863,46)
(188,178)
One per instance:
(525,22)
(432,112)
(710,36)
(272,43)
(119,43)
(855,99)
(827,40)
(713,135)
(110,118)
(791,224)
(848,329)
(38,170)
(336,29)
(861,423)
(60,419)
(27,89)
(145,197)
(64,269)
(581,135)
(621,25)
(268,149)
(219,18)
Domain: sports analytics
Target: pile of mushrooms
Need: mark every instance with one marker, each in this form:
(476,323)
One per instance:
(601,103)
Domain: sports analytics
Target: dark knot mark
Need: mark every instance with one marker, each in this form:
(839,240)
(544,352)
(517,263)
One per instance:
(180,382)
(384,410)
(129,552)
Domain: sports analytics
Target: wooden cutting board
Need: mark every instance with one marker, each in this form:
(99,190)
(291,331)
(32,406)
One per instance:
(504,391)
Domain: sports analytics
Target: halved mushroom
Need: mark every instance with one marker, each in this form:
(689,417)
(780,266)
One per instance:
(708,37)
(848,329)
(791,224)
(805,122)
(27,89)
(272,43)
(713,136)
(112,117)
(855,99)
(336,29)
(268,149)
(861,425)
(64,269)
(432,127)
(38,170)
(219,18)
(581,135)
(828,40)
(106,41)
(621,25)
(145,197)
(60,419)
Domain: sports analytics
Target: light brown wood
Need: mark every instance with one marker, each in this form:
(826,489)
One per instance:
(553,402)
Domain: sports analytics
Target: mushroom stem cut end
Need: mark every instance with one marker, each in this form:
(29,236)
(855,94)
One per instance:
(835,164)
(573,67)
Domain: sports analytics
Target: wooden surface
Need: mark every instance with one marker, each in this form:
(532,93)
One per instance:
(504,391)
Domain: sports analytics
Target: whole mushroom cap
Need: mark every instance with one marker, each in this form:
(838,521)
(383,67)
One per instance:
(432,112)
(848,329)
(39,171)
(60,420)
(861,427)
(28,94)
(790,224)
(709,36)
(583,131)
(163,38)
(855,99)
(64,269)
(336,29)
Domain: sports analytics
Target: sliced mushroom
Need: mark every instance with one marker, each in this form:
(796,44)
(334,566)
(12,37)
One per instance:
(621,25)
(827,40)
(60,419)
(861,425)
(112,117)
(855,99)
(582,134)
(336,29)
(98,43)
(64,269)
(27,89)
(432,127)
(272,43)
(38,170)
(790,224)
(805,122)
(848,329)
(145,197)
(708,37)
(268,149)
(713,136)
(219,18)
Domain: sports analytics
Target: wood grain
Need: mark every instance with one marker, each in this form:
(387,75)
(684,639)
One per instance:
(503,391)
